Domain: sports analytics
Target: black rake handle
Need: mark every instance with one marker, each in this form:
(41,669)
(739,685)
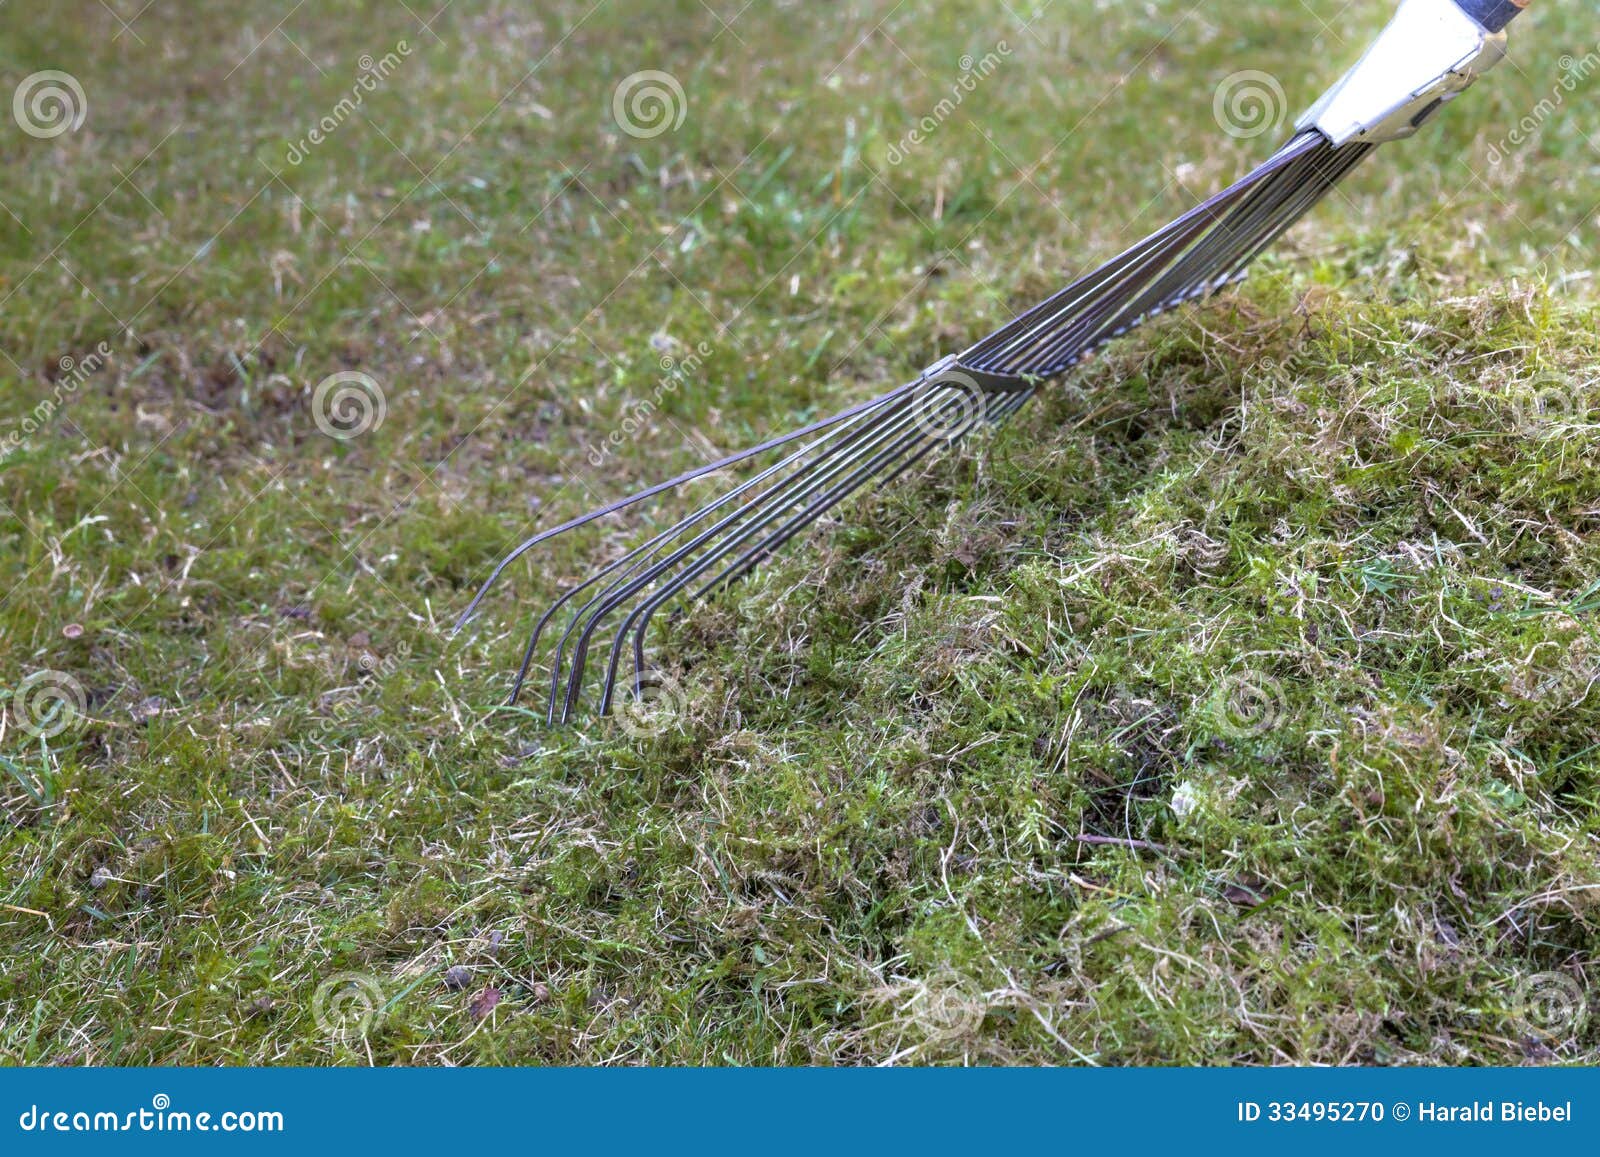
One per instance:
(1492,14)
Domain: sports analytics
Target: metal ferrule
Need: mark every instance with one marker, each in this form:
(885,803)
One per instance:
(950,370)
(1430,52)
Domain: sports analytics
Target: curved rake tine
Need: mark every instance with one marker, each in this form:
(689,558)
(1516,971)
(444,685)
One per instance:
(1010,404)
(608,598)
(902,441)
(652,491)
(641,554)
(772,502)
(1013,401)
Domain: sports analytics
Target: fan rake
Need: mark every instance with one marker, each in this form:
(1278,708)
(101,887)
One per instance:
(1430,52)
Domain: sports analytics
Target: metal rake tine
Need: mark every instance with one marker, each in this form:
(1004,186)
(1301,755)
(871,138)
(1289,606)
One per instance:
(767,507)
(1000,348)
(1003,356)
(1216,265)
(1117,316)
(752,559)
(1356,154)
(1065,337)
(1247,240)
(1105,318)
(1383,98)
(651,492)
(904,443)
(613,596)
(1011,402)
(1193,273)
(998,351)
(640,554)
(544,620)
(1200,266)
(756,553)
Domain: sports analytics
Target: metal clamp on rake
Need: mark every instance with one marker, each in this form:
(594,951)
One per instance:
(1430,52)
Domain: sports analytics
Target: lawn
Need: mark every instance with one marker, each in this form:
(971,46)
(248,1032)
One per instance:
(1234,703)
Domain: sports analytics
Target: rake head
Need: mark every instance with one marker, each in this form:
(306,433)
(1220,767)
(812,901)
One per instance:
(872,443)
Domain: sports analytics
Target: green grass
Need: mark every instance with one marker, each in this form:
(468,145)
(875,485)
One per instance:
(1287,604)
